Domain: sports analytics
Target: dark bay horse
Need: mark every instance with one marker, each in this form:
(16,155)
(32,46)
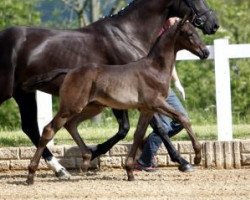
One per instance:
(37,52)
(142,85)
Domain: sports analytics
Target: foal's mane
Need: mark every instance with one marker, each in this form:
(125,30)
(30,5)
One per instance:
(167,35)
(171,34)
(174,29)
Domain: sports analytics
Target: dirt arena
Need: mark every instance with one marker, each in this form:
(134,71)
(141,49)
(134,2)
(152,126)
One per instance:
(112,185)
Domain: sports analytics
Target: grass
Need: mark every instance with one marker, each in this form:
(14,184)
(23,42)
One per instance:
(98,134)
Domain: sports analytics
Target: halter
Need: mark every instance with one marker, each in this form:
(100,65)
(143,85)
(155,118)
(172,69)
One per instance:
(198,19)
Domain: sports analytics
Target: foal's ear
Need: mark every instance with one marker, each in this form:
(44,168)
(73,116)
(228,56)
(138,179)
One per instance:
(181,23)
(183,20)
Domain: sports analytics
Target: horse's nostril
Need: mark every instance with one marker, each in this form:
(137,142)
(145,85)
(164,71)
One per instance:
(216,27)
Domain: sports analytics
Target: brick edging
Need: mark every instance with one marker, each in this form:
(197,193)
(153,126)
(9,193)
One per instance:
(215,154)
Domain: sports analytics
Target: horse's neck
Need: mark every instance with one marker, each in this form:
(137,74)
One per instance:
(141,21)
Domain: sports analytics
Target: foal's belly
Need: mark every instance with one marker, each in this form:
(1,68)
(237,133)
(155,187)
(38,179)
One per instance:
(118,99)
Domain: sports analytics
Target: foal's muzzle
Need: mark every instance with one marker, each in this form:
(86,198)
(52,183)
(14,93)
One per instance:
(204,53)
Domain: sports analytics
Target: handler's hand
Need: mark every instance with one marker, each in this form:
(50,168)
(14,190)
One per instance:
(180,89)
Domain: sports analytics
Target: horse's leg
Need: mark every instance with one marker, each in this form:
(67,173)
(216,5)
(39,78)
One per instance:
(138,137)
(49,132)
(123,121)
(166,109)
(72,125)
(28,111)
(156,123)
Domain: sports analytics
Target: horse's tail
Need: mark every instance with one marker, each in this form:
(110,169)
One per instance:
(11,40)
(38,80)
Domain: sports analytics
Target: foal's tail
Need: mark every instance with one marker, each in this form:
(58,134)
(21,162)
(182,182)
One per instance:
(11,40)
(38,80)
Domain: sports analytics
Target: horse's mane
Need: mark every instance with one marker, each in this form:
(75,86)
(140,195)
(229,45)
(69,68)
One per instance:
(123,10)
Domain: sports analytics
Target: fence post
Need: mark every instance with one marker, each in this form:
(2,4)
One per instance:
(223,90)
(44,110)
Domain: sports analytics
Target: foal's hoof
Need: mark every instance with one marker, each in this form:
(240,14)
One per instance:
(30,180)
(85,167)
(131,178)
(186,168)
(197,160)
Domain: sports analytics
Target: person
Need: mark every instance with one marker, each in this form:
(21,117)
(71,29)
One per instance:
(147,161)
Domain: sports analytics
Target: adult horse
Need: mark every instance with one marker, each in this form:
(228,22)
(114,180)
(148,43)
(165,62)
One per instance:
(36,52)
(145,83)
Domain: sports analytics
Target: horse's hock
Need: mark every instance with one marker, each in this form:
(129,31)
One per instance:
(215,154)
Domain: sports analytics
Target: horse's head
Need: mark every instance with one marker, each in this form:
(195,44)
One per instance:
(190,40)
(201,15)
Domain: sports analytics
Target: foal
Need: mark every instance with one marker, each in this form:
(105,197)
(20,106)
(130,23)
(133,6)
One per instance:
(142,84)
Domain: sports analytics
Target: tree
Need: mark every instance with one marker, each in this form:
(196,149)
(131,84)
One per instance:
(18,12)
(89,11)
(198,77)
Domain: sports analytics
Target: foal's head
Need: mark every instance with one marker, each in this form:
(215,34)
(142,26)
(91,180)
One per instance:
(190,40)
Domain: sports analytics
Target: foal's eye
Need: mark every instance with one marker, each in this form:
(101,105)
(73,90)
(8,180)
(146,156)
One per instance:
(190,34)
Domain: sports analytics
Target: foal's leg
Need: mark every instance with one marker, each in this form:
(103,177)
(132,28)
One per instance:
(86,153)
(174,101)
(173,153)
(49,132)
(72,125)
(138,137)
(166,109)
(28,111)
(123,121)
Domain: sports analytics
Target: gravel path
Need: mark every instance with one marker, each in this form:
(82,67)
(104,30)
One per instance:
(112,185)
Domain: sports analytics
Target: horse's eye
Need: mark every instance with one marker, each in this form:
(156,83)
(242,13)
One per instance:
(190,34)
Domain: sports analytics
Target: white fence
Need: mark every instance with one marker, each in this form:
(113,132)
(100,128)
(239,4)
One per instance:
(220,52)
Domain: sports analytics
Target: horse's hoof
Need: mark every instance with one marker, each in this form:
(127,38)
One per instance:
(186,168)
(197,160)
(63,174)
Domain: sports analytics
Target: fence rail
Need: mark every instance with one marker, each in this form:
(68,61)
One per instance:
(220,52)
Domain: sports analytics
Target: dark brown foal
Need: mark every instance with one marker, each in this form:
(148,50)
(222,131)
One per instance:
(142,85)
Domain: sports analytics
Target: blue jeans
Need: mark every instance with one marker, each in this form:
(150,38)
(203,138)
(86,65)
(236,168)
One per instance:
(172,128)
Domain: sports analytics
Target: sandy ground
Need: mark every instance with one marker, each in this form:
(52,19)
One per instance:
(112,185)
